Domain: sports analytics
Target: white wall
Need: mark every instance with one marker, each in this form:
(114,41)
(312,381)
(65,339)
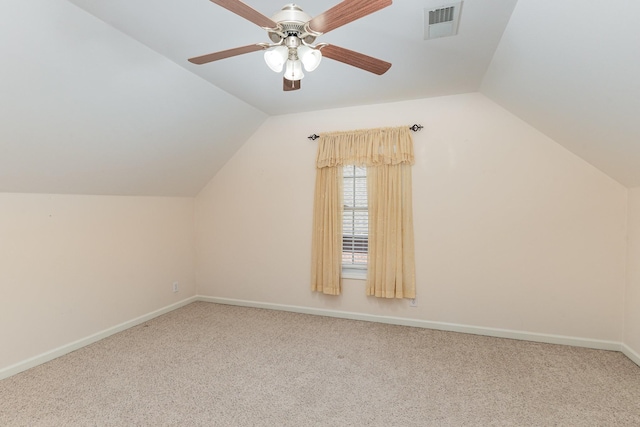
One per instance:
(512,230)
(632,301)
(73,266)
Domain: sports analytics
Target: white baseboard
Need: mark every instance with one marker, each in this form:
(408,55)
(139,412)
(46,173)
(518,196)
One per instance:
(635,357)
(442,326)
(452,327)
(68,348)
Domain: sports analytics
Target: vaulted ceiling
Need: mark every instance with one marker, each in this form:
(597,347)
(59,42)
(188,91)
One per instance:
(98,96)
(571,68)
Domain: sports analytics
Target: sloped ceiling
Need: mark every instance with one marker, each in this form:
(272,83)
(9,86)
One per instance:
(86,110)
(571,68)
(99,99)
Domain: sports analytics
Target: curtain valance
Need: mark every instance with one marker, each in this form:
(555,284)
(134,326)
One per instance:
(370,147)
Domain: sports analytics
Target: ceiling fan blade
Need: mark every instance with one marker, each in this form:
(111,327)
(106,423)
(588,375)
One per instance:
(356,59)
(345,12)
(204,59)
(247,12)
(289,85)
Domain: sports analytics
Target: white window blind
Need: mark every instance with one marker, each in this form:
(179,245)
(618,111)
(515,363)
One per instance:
(355,218)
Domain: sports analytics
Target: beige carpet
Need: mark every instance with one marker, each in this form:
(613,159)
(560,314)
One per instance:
(215,365)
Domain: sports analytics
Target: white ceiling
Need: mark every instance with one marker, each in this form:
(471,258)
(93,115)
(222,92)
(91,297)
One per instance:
(85,110)
(182,29)
(571,68)
(105,102)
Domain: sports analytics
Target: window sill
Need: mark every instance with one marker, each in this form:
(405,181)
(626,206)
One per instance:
(351,273)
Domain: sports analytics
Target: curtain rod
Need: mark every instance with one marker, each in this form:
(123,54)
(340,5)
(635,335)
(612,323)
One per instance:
(414,128)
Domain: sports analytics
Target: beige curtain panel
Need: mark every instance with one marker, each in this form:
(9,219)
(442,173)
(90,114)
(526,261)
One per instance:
(326,252)
(388,155)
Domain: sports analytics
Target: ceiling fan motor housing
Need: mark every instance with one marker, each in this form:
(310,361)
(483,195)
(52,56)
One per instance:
(292,20)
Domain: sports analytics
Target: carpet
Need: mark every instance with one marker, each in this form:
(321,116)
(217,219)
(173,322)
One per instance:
(209,364)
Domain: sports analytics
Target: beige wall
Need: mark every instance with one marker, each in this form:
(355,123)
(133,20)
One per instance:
(632,306)
(512,230)
(72,266)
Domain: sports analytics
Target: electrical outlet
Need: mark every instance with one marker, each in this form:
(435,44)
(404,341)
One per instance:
(413,302)
(175,286)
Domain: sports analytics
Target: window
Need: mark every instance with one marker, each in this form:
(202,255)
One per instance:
(351,225)
(355,222)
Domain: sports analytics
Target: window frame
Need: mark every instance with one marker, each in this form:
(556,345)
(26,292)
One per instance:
(354,271)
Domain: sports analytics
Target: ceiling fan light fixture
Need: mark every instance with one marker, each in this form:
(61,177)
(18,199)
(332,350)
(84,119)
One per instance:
(293,70)
(276,58)
(310,57)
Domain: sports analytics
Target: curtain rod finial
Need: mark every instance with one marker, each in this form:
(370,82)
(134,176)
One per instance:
(313,137)
(416,127)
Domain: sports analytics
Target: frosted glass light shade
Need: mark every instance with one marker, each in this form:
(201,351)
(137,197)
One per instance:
(310,57)
(293,70)
(276,58)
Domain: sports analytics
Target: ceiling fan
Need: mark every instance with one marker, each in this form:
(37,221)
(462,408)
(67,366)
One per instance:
(292,32)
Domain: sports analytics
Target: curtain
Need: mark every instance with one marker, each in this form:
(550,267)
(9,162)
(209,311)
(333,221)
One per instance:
(391,267)
(388,155)
(326,252)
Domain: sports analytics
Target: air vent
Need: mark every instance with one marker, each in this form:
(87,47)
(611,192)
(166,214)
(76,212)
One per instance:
(441,15)
(442,21)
